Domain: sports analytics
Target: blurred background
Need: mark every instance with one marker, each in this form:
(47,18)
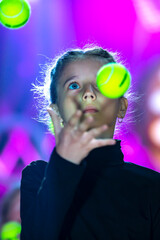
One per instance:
(130,27)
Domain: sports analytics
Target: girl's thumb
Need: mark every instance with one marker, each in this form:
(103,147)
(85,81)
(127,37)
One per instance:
(55,120)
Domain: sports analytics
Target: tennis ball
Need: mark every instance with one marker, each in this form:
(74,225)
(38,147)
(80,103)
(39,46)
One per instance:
(113,80)
(14,13)
(10,230)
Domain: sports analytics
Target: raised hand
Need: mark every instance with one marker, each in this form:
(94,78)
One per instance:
(73,141)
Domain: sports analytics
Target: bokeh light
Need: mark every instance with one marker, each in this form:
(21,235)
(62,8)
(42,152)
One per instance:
(154,102)
(154,132)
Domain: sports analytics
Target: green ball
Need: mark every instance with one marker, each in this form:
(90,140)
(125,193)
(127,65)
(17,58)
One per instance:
(11,230)
(14,13)
(113,80)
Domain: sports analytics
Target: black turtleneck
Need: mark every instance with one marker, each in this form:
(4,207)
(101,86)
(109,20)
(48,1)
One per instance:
(102,198)
(105,156)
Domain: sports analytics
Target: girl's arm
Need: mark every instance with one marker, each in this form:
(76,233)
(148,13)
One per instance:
(47,191)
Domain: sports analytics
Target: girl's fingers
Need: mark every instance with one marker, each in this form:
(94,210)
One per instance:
(90,137)
(94,132)
(95,143)
(85,124)
(73,121)
(56,121)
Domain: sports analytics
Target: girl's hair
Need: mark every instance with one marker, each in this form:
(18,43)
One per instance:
(46,91)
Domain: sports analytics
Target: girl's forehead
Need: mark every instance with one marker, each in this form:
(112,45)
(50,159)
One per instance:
(82,67)
(85,63)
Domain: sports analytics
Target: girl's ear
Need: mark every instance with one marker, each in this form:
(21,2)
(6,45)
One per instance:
(123,107)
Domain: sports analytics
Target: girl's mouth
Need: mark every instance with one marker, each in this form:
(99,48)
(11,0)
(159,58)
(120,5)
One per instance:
(90,111)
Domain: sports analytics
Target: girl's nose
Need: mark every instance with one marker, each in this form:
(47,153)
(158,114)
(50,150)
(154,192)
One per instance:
(89,94)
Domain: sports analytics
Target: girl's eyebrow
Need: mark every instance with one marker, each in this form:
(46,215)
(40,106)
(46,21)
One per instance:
(68,79)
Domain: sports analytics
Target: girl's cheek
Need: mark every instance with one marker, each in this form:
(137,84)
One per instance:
(70,105)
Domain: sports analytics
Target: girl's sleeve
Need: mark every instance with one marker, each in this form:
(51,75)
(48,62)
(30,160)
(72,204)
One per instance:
(47,191)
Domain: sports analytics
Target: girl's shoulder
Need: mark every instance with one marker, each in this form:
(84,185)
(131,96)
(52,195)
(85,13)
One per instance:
(35,166)
(141,173)
(33,173)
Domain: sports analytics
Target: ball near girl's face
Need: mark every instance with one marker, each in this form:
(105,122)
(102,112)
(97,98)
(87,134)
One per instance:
(77,89)
(113,80)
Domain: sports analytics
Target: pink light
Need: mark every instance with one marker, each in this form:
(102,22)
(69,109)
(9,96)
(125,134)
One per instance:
(18,146)
(148,14)
(104,21)
(154,132)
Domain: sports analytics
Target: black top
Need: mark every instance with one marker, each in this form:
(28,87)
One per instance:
(103,198)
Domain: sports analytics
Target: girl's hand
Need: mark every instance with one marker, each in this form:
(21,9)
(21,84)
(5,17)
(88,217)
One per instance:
(73,141)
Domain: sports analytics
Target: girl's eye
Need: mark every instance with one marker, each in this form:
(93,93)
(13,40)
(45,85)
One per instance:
(73,86)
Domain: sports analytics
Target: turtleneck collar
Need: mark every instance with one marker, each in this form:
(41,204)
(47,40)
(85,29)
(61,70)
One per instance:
(102,157)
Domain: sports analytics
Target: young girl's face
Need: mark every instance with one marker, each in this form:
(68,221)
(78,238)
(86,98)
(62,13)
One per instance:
(77,89)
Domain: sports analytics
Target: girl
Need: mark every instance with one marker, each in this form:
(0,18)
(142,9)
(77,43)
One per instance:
(86,190)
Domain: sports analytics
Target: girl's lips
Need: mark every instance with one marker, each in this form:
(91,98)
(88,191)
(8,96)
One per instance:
(90,111)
